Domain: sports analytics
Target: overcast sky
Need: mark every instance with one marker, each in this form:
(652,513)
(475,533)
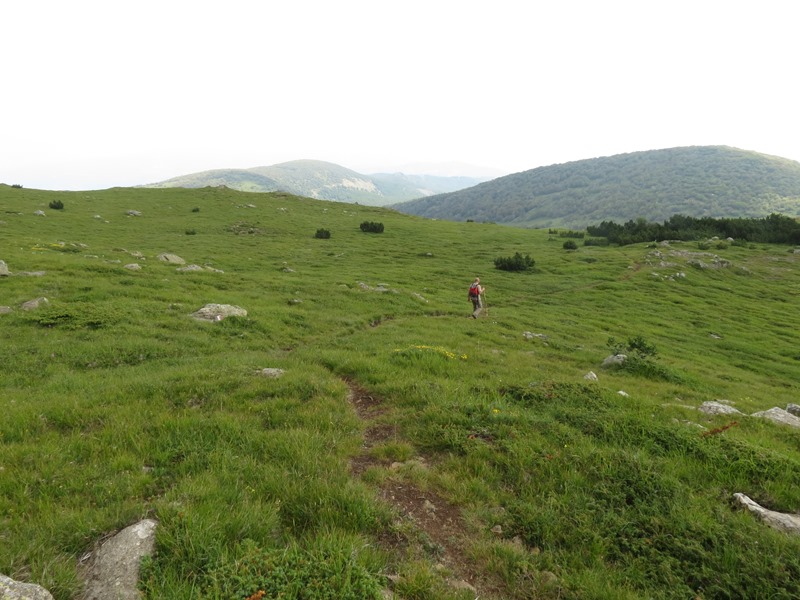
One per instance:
(108,93)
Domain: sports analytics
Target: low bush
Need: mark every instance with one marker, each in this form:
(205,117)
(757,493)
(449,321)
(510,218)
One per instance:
(372,227)
(570,245)
(322,234)
(514,263)
(56,205)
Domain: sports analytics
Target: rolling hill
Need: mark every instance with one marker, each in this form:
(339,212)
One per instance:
(697,181)
(324,181)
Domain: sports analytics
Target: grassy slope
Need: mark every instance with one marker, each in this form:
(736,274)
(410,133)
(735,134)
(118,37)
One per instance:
(127,407)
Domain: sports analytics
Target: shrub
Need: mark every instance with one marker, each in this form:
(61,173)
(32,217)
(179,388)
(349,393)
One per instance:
(570,245)
(16,186)
(56,205)
(322,234)
(191,232)
(196,209)
(372,227)
(514,263)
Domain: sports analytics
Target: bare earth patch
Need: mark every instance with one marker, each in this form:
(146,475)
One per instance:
(441,526)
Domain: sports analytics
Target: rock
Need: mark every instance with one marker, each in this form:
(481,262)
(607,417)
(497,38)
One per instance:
(778,415)
(271,373)
(14,590)
(782,521)
(793,409)
(530,335)
(615,360)
(39,213)
(4,310)
(34,304)
(460,584)
(217,312)
(624,394)
(4,272)
(713,407)
(113,571)
(189,268)
(133,267)
(134,213)
(590,376)
(172,259)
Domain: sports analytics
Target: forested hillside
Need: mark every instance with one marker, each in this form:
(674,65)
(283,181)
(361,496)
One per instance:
(697,181)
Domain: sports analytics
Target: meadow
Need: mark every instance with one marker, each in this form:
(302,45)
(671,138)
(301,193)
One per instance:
(406,446)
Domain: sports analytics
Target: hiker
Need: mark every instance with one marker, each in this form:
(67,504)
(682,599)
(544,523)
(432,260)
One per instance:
(474,294)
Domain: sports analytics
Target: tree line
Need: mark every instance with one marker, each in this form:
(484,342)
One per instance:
(774,229)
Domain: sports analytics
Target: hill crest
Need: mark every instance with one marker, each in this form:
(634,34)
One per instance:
(697,181)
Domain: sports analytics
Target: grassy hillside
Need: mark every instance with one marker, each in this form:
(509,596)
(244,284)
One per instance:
(406,446)
(701,181)
(325,181)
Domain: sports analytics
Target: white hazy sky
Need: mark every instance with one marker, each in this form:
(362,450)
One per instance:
(102,93)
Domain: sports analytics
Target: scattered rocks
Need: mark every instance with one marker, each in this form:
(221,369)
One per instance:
(217,312)
(14,590)
(113,570)
(781,521)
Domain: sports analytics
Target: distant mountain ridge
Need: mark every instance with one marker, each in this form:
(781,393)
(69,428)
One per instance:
(324,181)
(697,181)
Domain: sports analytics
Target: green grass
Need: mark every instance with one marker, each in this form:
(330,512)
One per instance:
(117,405)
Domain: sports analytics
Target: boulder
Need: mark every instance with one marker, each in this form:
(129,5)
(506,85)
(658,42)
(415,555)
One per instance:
(14,590)
(793,409)
(272,373)
(172,259)
(217,312)
(615,360)
(113,570)
(35,303)
(4,272)
(712,407)
(778,415)
(781,521)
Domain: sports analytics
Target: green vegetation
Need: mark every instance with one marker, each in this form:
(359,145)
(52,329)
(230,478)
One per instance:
(371,227)
(774,229)
(56,205)
(698,181)
(118,405)
(323,234)
(514,263)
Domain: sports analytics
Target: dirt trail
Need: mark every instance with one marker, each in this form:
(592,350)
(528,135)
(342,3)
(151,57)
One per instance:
(438,520)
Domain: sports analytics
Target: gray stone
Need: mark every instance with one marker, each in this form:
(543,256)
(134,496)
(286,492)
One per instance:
(4,272)
(713,407)
(271,373)
(778,415)
(781,521)
(34,304)
(793,409)
(172,259)
(113,571)
(615,360)
(217,312)
(14,590)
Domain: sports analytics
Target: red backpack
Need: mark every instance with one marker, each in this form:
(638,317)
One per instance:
(474,291)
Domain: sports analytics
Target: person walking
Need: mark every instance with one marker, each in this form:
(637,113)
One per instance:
(475,296)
